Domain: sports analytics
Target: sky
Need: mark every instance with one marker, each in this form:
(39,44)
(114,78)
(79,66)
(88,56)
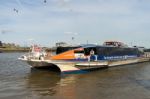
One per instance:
(94,21)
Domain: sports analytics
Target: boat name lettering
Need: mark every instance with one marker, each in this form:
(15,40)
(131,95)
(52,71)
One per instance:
(119,57)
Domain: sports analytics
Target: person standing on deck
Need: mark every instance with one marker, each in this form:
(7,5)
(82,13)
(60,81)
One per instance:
(92,53)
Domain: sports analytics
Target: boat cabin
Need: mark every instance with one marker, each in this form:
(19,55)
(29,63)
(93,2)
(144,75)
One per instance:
(99,52)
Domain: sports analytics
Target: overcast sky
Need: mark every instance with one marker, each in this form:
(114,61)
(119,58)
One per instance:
(27,21)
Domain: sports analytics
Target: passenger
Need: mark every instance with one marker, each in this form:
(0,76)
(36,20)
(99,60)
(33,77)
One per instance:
(92,53)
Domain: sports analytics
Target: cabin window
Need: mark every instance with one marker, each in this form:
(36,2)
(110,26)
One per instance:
(87,50)
(76,51)
(117,51)
(64,49)
(102,51)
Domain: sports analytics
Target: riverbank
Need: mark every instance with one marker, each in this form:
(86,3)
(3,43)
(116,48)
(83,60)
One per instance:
(14,50)
(21,49)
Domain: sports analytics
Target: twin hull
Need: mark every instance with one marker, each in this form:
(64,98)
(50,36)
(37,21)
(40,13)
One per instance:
(66,66)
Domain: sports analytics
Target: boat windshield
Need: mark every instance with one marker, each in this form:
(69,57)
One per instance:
(64,49)
(88,50)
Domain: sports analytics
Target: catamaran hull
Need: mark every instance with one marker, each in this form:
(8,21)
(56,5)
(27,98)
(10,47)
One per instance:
(38,64)
(65,66)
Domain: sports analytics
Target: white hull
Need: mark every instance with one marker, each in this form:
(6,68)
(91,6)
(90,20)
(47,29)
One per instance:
(127,61)
(66,66)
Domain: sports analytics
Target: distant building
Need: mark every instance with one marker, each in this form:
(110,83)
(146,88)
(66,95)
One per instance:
(10,45)
(61,44)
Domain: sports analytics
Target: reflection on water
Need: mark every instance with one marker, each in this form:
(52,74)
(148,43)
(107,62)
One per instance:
(67,80)
(19,81)
(47,83)
(43,82)
(117,82)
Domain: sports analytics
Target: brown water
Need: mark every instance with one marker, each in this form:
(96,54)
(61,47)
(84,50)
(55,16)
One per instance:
(19,81)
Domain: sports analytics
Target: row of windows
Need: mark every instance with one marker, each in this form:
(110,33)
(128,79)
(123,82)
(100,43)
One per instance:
(104,51)
(113,51)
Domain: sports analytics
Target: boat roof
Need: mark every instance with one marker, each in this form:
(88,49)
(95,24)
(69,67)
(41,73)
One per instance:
(91,46)
(88,45)
(94,45)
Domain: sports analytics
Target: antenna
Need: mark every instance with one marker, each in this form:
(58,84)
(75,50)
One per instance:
(72,40)
(87,42)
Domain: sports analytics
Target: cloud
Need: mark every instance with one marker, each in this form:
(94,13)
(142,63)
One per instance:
(30,39)
(5,31)
(97,19)
(71,33)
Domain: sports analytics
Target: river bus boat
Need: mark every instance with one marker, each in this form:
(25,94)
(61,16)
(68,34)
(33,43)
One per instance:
(86,57)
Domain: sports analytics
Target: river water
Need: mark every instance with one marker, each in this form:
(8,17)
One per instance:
(19,81)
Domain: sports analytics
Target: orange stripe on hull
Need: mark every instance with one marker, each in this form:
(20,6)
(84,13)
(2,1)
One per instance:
(65,55)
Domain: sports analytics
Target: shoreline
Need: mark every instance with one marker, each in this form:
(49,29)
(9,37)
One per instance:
(3,50)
